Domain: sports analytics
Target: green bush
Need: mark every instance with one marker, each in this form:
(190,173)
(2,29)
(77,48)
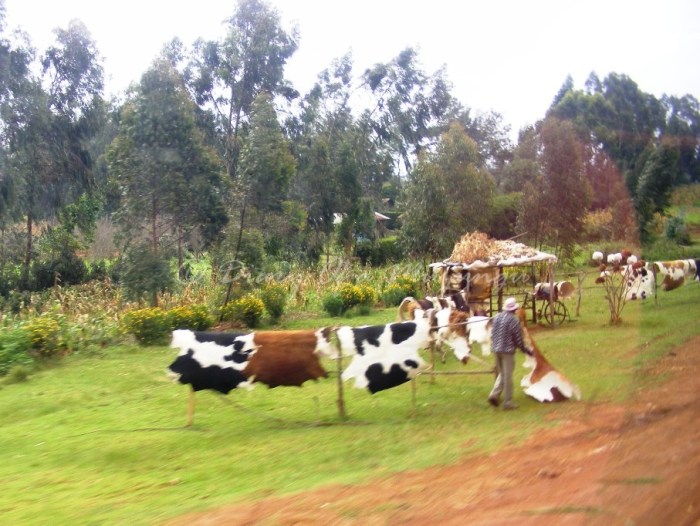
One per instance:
(150,326)
(194,317)
(393,295)
(333,304)
(664,250)
(45,336)
(677,231)
(247,309)
(66,268)
(409,284)
(274,297)
(15,347)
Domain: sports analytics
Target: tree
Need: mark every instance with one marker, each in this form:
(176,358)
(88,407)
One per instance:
(448,194)
(655,185)
(227,76)
(49,121)
(411,109)
(556,200)
(169,179)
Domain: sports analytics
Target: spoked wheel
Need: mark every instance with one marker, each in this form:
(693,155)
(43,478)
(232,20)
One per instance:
(560,313)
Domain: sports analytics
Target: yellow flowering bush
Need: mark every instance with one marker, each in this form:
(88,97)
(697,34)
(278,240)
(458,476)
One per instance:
(247,309)
(150,326)
(194,317)
(45,335)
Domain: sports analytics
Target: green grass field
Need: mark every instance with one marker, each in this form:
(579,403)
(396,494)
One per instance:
(99,439)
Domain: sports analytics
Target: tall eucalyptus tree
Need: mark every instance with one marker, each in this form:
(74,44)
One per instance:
(169,180)
(226,76)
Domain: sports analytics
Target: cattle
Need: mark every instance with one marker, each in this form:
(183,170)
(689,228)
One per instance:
(544,383)
(208,361)
(225,361)
(409,304)
(384,356)
(675,273)
(286,358)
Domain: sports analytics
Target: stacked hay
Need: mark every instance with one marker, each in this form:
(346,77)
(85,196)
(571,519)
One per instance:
(477,246)
(473,246)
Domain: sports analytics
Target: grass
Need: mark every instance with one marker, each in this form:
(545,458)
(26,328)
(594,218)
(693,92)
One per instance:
(98,439)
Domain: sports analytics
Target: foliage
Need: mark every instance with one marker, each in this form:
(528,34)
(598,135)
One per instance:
(15,347)
(345,296)
(45,336)
(409,283)
(615,287)
(274,296)
(677,231)
(247,309)
(448,193)
(393,295)
(66,269)
(150,326)
(160,161)
(193,317)
(145,274)
(554,204)
(227,75)
(333,304)
(380,252)
(663,249)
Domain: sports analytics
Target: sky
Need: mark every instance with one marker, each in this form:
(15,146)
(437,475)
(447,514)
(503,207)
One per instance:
(507,56)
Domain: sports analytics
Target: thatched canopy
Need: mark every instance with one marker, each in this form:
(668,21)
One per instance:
(477,251)
(477,260)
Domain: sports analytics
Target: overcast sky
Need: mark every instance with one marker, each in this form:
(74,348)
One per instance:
(509,56)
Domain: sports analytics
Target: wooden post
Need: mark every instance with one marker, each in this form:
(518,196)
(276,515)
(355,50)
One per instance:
(341,401)
(500,289)
(581,277)
(551,294)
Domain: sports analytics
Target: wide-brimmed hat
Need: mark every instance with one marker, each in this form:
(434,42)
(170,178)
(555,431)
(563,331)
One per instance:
(510,305)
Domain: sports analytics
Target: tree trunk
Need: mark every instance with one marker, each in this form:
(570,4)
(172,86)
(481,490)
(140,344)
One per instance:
(154,241)
(28,250)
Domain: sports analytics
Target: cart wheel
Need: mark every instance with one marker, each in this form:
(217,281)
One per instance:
(560,313)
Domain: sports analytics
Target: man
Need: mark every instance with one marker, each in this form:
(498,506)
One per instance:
(506,336)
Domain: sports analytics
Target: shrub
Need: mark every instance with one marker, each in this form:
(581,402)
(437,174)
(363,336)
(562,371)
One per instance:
(15,347)
(274,297)
(351,295)
(393,295)
(45,335)
(247,309)
(18,374)
(150,326)
(333,304)
(65,268)
(194,317)
(409,284)
(366,294)
(676,230)
(664,250)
